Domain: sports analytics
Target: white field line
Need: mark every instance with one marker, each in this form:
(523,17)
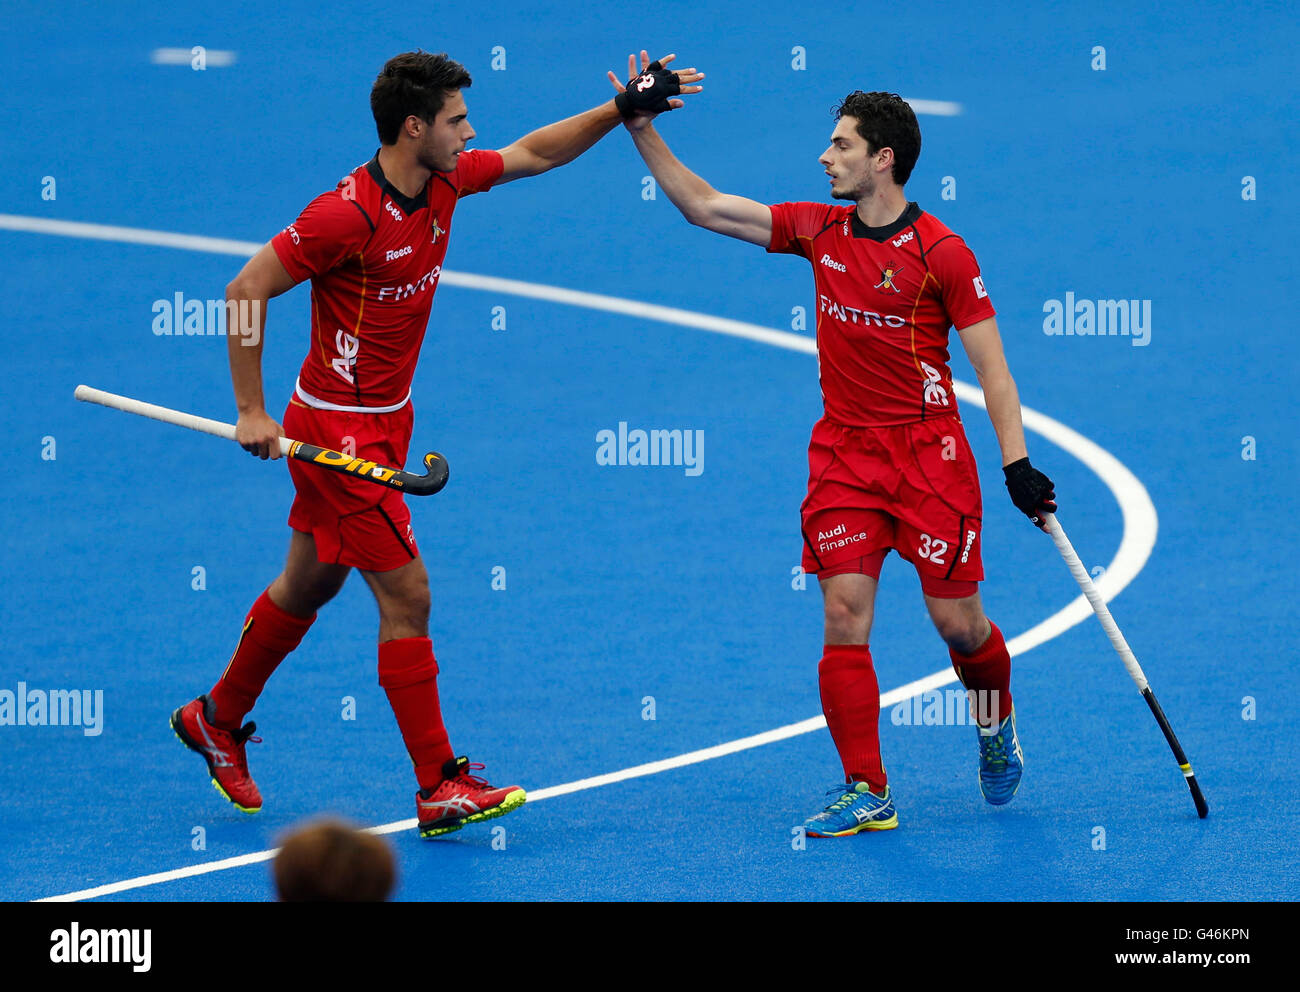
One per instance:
(1139,514)
(212,57)
(936,108)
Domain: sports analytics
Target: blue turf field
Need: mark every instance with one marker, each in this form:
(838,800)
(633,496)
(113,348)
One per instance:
(623,583)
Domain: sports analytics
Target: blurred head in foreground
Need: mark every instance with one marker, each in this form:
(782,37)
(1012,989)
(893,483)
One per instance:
(330,861)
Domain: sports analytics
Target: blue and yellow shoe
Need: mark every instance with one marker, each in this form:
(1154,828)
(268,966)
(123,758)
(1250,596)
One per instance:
(1001,761)
(855,808)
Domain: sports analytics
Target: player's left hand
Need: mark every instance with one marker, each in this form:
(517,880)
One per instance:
(652,91)
(1033,493)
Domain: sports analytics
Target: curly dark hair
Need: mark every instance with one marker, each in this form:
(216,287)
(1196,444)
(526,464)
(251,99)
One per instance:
(413,83)
(885,121)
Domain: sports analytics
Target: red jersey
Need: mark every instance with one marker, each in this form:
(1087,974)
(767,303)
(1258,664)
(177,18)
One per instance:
(374,257)
(886,299)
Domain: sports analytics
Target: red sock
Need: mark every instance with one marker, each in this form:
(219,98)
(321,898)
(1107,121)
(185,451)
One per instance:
(269,634)
(409,675)
(988,670)
(851,702)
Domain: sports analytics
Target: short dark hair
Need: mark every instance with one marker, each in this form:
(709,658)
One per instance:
(886,121)
(413,83)
(331,861)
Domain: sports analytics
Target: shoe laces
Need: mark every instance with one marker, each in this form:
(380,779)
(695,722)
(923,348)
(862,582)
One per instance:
(845,796)
(994,749)
(473,780)
(243,735)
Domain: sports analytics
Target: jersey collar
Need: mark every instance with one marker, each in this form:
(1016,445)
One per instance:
(906,219)
(407,203)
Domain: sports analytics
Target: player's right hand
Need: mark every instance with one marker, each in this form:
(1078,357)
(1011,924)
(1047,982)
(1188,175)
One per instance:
(258,434)
(646,95)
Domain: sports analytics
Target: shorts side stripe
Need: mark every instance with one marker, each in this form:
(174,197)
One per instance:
(961,533)
(393,527)
(814,554)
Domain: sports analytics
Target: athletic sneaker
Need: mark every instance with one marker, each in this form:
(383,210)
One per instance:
(462,798)
(855,808)
(1001,761)
(222,749)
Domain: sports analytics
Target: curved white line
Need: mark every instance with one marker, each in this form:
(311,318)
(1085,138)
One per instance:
(1138,512)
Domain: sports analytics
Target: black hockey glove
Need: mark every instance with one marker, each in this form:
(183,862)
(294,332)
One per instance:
(648,92)
(1031,491)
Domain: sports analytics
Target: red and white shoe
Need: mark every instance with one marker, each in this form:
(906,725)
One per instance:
(463,798)
(222,749)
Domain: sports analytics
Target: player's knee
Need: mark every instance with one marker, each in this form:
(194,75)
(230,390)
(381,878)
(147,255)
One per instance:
(846,620)
(421,602)
(965,635)
(410,610)
(302,595)
(326,588)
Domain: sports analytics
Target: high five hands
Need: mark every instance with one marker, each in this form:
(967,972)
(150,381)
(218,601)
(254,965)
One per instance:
(651,92)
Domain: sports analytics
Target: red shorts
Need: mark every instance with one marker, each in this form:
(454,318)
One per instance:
(354,522)
(912,488)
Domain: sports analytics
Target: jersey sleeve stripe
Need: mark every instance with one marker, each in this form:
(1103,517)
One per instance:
(920,244)
(365,215)
(830,222)
(935,245)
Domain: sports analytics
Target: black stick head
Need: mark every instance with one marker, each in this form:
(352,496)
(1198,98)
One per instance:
(434,478)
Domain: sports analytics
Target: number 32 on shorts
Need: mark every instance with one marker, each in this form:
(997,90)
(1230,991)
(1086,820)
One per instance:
(933,549)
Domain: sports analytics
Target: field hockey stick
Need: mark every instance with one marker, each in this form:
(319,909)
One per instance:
(336,461)
(1126,655)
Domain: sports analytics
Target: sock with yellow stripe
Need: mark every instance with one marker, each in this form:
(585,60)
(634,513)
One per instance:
(269,635)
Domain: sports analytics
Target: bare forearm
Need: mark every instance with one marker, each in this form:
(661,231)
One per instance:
(687,191)
(562,142)
(245,323)
(1003,402)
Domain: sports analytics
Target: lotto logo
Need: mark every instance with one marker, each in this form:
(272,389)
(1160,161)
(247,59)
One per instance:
(293,234)
(899,242)
(397,214)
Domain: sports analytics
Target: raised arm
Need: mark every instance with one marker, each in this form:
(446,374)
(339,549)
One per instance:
(700,203)
(556,144)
